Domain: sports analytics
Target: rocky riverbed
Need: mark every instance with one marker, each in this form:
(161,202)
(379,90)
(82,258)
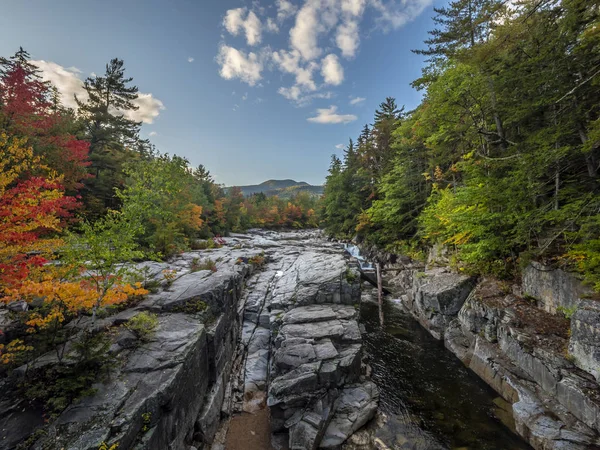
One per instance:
(271,331)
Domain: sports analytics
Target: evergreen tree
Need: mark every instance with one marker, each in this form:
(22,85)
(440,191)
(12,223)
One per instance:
(114,138)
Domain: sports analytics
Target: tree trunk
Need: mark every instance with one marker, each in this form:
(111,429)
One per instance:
(379,292)
(499,125)
(590,160)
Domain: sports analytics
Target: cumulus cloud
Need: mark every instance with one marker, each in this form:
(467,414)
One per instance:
(394,14)
(148,108)
(285,9)
(290,62)
(305,33)
(152,133)
(300,97)
(272,26)
(347,38)
(66,81)
(330,116)
(237,20)
(339,146)
(332,70)
(356,100)
(316,24)
(237,64)
(69,85)
(190,59)
(354,7)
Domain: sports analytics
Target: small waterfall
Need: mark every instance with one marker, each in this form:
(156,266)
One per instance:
(354,251)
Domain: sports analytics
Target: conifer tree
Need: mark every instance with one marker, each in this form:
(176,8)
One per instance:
(114,138)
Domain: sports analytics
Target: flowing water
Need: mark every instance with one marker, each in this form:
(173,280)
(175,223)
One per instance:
(430,399)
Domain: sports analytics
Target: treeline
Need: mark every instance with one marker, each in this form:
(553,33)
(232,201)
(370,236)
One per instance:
(500,160)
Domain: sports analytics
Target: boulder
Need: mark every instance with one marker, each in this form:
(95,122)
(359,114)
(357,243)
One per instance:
(353,409)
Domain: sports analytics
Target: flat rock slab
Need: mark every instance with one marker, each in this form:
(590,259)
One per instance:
(319,313)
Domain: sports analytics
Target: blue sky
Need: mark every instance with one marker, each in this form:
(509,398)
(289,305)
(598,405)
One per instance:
(254,90)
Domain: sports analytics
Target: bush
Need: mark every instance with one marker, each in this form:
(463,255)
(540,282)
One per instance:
(143,325)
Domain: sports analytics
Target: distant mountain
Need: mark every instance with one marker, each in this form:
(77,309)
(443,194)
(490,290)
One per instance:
(281,188)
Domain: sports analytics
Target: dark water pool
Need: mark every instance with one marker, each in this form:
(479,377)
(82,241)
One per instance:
(430,400)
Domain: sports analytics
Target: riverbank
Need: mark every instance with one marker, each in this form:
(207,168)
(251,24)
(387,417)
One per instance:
(516,338)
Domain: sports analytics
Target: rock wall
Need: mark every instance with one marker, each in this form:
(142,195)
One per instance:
(553,288)
(301,347)
(276,325)
(543,364)
(165,393)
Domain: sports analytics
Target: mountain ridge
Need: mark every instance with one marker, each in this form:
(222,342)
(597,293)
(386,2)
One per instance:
(283,188)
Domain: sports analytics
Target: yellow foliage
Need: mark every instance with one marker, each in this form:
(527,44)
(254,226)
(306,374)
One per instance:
(10,352)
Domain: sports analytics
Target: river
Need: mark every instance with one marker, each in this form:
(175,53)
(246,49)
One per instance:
(429,399)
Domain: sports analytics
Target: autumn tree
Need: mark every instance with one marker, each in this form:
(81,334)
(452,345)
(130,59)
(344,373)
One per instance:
(29,110)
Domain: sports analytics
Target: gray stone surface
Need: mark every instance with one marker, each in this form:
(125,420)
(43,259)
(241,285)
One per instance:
(438,296)
(353,409)
(291,338)
(553,288)
(584,343)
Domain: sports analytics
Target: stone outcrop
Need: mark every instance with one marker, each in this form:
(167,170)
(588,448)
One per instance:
(553,288)
(228,341)
(584,344)
(520,343)
(301,342)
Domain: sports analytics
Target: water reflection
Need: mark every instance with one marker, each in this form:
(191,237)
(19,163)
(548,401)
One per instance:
(430,399)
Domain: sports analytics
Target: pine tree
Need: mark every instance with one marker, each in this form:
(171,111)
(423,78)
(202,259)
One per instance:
(114,138)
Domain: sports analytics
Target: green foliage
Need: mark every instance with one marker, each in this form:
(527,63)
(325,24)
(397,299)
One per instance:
(207,264)
(500,161)
(161,194)
(143,325)
(567,312)
(193,306)
(350,276)
(57,386)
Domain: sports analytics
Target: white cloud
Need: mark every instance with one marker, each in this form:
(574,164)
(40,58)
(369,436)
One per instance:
(357,100)
(236,64)
(353,7)
(332,70)
(190,59)
(152,133)
(289,62)
(69,84)
(304,35)
(394,14)
(148,108)
(66,81)
(340,146)
(245,96)
(285,9)
(272,26)
(330,116)
(235,22)
(316,25)
(300,97)
(348,38)
(291,93)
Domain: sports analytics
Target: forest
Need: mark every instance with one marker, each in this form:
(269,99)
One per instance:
(83,188)
(499,162)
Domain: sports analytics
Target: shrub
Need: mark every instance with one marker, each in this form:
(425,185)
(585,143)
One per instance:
(207,264)
(143,325)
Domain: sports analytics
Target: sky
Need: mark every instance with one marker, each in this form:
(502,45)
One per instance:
(253,90)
